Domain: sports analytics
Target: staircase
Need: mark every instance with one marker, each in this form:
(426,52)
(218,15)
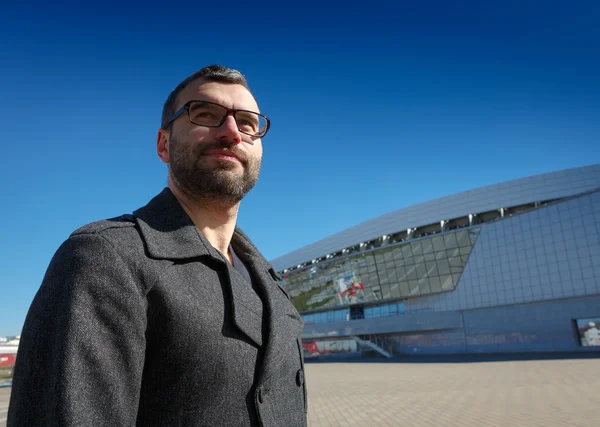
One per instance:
(371,345)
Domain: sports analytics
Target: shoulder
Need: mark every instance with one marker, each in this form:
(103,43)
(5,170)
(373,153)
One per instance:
(115,230)
(100,249)
(100,227)
(120,233)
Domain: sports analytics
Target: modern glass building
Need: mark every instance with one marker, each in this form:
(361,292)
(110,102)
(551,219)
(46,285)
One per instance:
(512,267)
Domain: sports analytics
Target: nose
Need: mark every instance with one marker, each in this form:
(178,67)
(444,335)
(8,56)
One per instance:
(228,131)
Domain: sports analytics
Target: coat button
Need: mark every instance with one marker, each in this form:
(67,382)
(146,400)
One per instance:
(300,377)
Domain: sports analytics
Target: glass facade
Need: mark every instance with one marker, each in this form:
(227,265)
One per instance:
(384,310)
(342,315)
(420,267)
(327,316)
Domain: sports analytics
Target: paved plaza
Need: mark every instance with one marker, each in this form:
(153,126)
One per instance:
(508,394)
(542,393)
(4,396)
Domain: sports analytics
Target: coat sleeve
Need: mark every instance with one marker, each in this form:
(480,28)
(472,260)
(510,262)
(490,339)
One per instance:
(82,347)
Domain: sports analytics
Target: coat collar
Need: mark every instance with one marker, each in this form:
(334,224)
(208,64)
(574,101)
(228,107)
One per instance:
(169,233)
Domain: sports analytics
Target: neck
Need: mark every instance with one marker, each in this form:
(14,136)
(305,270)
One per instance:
(215,219)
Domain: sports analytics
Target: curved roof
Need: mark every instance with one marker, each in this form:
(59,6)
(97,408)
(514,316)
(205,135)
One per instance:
(542,187)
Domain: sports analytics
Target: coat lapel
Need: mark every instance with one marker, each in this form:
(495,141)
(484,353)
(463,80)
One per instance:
(169,233)
(247,306)
(284,324)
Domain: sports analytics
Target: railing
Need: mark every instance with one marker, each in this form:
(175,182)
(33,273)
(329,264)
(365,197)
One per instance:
(371,345)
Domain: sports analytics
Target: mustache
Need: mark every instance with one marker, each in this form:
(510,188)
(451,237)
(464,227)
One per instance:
(227,146)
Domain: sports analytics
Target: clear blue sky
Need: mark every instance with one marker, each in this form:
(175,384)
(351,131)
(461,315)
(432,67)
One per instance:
(375,106)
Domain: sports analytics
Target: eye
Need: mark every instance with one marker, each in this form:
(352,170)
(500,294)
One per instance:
(246,124)
(206,114)
(247,121)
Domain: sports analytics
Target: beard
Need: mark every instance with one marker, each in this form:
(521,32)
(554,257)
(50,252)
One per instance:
(220,182)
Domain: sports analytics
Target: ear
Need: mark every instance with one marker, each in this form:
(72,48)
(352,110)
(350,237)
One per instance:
(162,145)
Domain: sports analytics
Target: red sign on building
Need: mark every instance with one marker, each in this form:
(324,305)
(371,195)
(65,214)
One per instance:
(7,360)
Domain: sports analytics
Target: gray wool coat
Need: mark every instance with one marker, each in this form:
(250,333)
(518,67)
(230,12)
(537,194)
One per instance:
(140,321)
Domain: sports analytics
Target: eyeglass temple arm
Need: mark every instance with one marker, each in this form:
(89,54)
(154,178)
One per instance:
(177,114)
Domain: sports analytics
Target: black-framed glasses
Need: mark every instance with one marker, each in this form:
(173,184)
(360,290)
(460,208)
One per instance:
(212,115)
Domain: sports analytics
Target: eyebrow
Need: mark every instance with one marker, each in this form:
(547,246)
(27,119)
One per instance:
(208,99)
(208,102)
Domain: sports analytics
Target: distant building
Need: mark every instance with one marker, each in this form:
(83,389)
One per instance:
(512,267)
(8,355)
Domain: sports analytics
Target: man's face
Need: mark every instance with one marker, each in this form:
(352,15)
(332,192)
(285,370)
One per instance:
(214,163)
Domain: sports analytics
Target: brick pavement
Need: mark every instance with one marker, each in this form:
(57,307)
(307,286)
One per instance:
(4,396)
(533,393)
(517,393)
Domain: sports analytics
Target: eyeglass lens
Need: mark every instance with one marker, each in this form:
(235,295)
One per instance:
(212,115)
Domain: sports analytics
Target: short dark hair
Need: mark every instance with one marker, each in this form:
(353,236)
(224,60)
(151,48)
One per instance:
(212,73)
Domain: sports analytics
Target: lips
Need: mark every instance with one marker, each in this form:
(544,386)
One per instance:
(226,154)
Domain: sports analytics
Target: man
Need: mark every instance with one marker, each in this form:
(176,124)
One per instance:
(169,316)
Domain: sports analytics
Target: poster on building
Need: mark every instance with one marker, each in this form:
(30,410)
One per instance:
(589,331)
(350,289)
(7,365)
(7,360)
(328,347)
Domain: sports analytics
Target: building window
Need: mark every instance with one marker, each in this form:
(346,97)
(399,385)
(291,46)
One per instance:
(408,269)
